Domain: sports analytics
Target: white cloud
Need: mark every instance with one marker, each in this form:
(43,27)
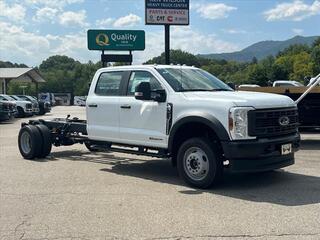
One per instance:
(234,31)
(44,14)
(71,19)
(31,48)
(295,11)
(197,42)
(15,12)
(213,10)
(185,39)
(297,31)
(104,23)
(127,21)
(52,3)
(20,46)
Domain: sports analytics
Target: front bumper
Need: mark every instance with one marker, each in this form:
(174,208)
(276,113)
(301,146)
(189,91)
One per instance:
(6,115)
(28,112)
(260,154)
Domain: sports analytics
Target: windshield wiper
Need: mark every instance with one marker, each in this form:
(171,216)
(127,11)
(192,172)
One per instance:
(194,90)
(204,90)
(221,89)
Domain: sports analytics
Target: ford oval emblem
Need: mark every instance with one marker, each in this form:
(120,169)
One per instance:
(284,121)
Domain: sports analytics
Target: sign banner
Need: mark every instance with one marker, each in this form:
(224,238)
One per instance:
(121,40)
(171,12)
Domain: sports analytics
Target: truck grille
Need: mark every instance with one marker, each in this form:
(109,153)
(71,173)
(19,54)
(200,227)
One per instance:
(272,122)
(28,105)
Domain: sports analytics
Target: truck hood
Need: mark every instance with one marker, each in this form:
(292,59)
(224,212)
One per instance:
(243,98)
(21,102)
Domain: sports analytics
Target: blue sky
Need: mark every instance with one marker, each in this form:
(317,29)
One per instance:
(32,30)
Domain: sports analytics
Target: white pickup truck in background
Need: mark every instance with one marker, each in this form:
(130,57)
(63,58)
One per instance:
(24,108)
(177,112)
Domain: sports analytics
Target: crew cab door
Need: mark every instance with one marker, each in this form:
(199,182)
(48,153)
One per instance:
(103,106)
(142,122)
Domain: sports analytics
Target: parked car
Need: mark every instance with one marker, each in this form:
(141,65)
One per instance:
(35,105)
(7,110)
(248,85)
(24,108)
(286,83)
(44,106)
(312,80)
(80,100)
(47,97)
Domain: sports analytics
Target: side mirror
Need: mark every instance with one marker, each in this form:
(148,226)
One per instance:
(143,91)
(232,85)
(159,95)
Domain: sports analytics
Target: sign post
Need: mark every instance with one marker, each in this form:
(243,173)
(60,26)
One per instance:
(116,40)
(167,12)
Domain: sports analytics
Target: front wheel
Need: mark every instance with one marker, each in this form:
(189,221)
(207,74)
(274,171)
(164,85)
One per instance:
(199,163)
(21,112)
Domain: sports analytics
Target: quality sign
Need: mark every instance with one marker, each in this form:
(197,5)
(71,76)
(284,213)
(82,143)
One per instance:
(121,40)
(171,12)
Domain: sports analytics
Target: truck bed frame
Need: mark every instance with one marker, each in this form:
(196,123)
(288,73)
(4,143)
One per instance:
(66,132)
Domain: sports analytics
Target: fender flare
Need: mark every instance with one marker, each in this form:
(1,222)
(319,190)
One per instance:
(199,117)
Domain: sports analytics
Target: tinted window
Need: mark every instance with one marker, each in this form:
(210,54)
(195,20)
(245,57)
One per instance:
(109,84)
(142,76)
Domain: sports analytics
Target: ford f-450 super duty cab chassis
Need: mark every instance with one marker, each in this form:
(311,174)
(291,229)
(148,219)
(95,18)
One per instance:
(178,112)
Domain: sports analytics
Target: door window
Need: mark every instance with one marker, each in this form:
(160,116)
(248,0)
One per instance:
(109,84)
(142,76)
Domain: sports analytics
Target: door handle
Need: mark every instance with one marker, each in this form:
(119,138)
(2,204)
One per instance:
(125,106)
(93,105)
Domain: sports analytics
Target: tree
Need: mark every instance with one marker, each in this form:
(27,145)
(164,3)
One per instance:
(315,56)
(176,57)
(316,42)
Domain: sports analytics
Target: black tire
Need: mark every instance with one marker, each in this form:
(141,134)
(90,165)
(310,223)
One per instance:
(21,112)
(46,140)
(199,163)
(30,142)
(41,111)
(90,147)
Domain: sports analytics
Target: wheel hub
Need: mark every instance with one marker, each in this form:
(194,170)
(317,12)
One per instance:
(196,163)
(25,142)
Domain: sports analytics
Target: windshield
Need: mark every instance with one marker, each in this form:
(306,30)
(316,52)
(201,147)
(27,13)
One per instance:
(24,97)
(188,79)
(16,98)
(6,97)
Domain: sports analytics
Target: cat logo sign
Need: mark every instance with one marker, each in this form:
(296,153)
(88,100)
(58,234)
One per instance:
(102,39)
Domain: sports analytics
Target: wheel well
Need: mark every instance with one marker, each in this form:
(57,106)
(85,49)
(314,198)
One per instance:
(189,130)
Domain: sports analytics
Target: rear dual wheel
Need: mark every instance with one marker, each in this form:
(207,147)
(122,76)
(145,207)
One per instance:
(34,141)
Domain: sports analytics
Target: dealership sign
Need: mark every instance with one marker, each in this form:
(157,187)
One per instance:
(171,12)
(121,40)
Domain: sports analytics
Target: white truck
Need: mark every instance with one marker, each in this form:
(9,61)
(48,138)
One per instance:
(177,112)
(24,108)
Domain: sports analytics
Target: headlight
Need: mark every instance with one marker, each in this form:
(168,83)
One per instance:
(238,123)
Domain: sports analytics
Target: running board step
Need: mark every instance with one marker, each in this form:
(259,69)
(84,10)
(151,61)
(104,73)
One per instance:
(141,151)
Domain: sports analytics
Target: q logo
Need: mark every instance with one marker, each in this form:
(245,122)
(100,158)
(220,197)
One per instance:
(102,39)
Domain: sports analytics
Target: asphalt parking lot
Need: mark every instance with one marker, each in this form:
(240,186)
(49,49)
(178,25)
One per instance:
(74,194)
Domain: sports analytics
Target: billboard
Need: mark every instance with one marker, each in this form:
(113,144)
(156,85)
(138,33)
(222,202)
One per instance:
(170,12)
(121,40)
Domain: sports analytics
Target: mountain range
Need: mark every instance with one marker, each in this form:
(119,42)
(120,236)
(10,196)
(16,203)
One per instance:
(261,49)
